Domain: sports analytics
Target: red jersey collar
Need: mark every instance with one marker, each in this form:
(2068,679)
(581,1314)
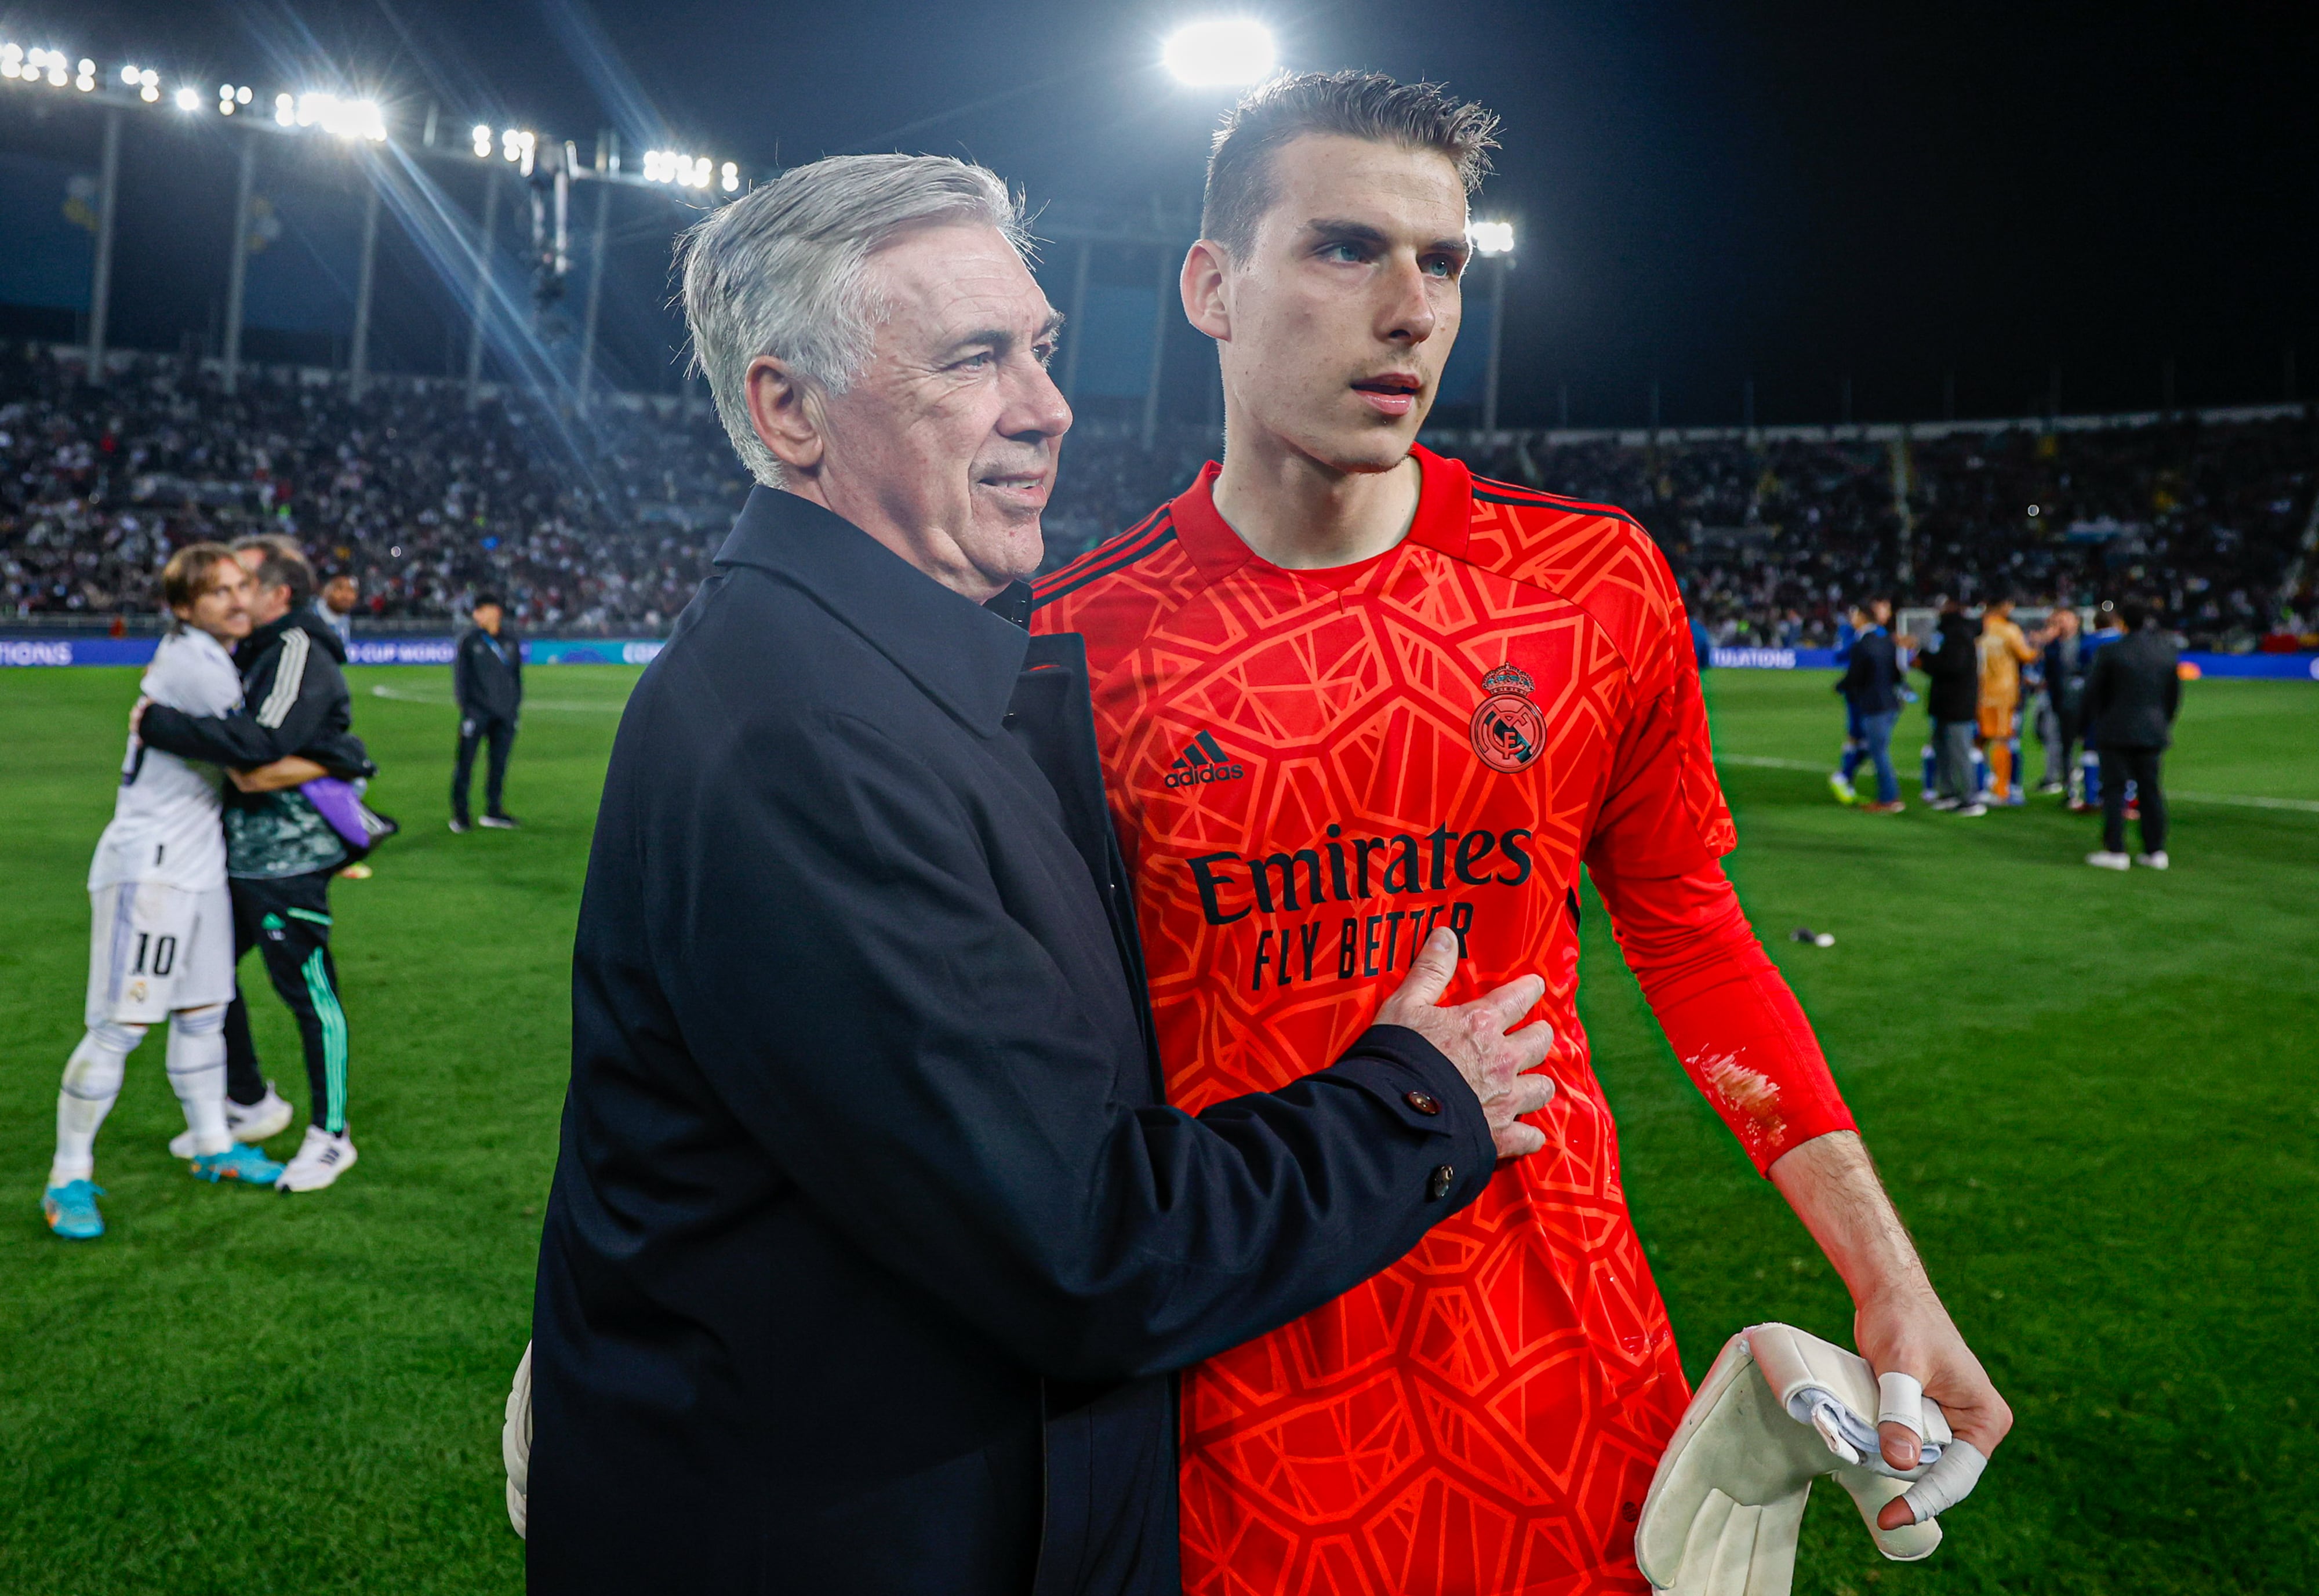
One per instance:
(1445,513)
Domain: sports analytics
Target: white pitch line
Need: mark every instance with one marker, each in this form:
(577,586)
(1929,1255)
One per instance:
(1755,759)
(2236,800)
(444,701)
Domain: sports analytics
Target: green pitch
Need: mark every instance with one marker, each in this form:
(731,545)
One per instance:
(2092,1096)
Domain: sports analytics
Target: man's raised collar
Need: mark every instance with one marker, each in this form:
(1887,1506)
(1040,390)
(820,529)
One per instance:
(961,655)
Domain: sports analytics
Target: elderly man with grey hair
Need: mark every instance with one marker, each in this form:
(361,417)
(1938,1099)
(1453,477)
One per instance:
(873,1244)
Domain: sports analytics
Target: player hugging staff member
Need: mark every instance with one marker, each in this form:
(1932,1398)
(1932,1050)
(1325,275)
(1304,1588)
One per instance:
(161,933)
(282,844)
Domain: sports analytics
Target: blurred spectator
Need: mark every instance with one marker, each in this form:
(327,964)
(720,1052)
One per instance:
(1952,700)
(1871,686)
(487,681)
(2062,706)
(335,605)
(2001,650)
(2132,692)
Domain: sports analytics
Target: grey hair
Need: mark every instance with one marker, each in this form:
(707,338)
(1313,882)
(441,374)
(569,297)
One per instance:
(782,271)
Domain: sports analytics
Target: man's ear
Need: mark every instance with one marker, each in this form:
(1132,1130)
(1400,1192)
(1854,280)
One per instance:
(1207,300)
(785,411)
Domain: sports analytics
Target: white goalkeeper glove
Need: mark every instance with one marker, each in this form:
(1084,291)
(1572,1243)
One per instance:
(515,1445)
(1779,1409)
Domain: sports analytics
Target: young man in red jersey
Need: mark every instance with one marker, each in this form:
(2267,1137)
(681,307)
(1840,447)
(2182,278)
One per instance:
(1350,697)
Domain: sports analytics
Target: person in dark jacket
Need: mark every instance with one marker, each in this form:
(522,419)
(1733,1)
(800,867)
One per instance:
(1871,686)
(487,681)
(1952,702)
(2062,665)
(2132,692)
(872,1245)
(281,851)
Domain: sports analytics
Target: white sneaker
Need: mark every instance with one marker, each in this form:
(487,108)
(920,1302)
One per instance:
(1973,811)
(2110,861)
(268,1116)
(321,1158)
(2156,862)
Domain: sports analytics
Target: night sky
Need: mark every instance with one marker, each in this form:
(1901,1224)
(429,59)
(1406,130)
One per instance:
(1801,192)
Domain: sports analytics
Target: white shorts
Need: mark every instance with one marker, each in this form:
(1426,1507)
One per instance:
(153,949)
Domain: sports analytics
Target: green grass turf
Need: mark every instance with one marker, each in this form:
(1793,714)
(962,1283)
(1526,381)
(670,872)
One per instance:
(2091,1093)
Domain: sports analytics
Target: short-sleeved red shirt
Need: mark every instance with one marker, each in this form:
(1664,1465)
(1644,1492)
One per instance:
(1309,771)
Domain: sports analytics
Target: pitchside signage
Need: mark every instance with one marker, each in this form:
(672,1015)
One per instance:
(641,651)
(395,650)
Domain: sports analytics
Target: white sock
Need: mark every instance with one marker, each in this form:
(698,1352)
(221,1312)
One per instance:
(197,1072)
(92,1082)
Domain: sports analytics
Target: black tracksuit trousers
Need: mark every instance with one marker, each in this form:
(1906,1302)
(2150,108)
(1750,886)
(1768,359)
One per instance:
(2139,766)
(287,920)
(472,729)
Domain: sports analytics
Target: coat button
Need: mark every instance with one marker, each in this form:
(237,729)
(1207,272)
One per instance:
(1423,1102)
(1437,1186)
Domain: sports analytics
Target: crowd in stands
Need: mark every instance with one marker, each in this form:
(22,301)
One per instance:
(605,523)
(1772,536)
(594,524)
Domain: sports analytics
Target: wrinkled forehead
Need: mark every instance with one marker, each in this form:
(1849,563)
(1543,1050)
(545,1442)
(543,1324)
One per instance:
(951,281)
(1410,195)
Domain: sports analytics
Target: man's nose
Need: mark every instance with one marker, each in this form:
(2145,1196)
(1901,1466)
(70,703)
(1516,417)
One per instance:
(1035,406)
(1410,315)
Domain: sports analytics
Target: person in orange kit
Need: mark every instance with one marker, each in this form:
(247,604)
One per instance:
(1351,701)
(2002,652)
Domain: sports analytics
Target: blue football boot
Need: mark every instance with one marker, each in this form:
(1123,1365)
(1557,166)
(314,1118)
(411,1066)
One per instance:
(70,1209)
(238,1162)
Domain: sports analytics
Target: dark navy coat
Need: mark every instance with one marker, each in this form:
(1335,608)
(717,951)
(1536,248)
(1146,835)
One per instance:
(871,1244)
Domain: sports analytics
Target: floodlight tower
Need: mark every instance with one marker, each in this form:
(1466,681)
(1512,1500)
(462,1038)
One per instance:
(1221,52)
(1493,241)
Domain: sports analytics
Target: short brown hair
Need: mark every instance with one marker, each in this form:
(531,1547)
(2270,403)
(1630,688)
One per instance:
(1356,104)
(191,571)
(281,564)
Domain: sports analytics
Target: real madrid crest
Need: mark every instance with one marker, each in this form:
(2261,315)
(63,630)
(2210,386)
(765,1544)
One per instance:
(1509,731)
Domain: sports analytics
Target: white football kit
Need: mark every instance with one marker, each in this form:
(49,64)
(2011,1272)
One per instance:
(162,921)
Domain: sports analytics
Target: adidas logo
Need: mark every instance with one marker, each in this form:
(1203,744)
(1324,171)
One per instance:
(1201,762)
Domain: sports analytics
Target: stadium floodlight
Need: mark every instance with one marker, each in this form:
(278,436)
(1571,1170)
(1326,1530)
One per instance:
(11,61)
(285,110)
(731,177)
(129,78)
(1491,238)
(188,99)
(85,80)
(1221,52)
(483,138)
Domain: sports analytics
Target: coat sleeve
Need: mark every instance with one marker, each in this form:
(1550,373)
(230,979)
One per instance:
(844,968)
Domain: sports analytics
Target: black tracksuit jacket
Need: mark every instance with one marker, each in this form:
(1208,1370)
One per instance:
(488,682)
(1951,667)
(873,1244)
(295,699)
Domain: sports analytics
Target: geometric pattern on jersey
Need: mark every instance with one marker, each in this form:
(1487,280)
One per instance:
(1485,1415)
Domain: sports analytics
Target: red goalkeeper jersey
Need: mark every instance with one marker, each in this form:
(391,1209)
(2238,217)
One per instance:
(1310,770)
